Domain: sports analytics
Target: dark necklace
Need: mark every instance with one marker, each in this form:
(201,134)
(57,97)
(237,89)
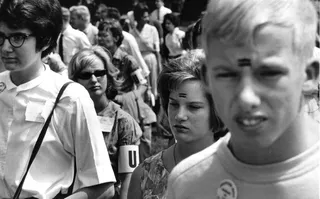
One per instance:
(174,155)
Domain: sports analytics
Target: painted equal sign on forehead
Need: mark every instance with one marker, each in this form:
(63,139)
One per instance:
(244,62)
(183,95)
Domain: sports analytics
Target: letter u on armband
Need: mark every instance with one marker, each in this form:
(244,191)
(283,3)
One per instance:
(128,158)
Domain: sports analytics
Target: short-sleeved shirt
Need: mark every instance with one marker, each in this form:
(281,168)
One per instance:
(216,173)
(147,38)
(174,42)
(154,177)
(124,131)
(158,14)
(74,134)
(126,65)
(130,46)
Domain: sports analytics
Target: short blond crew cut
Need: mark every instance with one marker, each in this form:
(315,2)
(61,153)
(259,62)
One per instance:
(237,21)
(82,12)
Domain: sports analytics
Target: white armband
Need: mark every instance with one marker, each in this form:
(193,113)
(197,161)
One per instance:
(128,158)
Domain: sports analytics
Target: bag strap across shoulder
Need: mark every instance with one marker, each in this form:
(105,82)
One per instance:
(39,141)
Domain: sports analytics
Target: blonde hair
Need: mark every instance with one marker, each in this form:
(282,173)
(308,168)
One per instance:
(86,56)
(237,21)
(82,12)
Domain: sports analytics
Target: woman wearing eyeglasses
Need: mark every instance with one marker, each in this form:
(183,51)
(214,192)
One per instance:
(72,154)
(93,69)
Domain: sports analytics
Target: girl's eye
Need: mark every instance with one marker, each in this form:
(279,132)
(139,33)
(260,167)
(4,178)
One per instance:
(173,104)
(194,107)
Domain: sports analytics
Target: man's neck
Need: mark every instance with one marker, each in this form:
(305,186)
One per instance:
(64,27)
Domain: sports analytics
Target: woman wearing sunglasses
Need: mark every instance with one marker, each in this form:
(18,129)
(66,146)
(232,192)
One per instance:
(92,68)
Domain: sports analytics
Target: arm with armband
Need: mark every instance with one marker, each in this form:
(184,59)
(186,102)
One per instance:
(128,160)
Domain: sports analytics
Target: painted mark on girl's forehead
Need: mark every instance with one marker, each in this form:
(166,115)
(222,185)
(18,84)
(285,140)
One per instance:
(244,62)
(184,95)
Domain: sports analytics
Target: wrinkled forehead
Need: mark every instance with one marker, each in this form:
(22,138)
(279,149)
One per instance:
(268,41)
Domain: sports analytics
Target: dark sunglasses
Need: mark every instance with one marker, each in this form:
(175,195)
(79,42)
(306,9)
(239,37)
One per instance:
(88,75)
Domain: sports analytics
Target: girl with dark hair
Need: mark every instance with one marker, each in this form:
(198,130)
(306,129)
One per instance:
(149,43)
(192,119)
(174,37)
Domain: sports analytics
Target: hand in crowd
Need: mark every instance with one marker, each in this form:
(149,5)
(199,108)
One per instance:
(55,62)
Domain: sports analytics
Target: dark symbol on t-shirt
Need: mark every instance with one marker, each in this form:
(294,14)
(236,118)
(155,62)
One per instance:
(244,62)
(2,86)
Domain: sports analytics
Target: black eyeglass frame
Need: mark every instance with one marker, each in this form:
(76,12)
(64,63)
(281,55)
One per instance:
(88,75)
(24,36)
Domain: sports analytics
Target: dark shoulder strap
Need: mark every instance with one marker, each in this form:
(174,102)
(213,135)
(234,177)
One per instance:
(39,140)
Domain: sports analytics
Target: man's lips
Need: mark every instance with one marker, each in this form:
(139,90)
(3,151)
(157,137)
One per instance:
(250,120)
(8,59)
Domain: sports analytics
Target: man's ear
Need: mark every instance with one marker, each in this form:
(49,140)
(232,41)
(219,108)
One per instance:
(311,82)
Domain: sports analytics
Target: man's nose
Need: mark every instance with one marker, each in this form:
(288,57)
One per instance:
(248,95)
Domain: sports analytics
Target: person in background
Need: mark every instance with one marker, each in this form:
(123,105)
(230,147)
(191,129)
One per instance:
(125,23)
(80,19)
(149,44)
(134,86)
(100,14)
(129,43)
(56,64)
(192,39)
(192,119)
(160,11)
(130,13)
(171,49)
(259,60)
(173,39)
(91,5)
(92,68)
(155,23)
(70,40)
(311,94)
(72,156)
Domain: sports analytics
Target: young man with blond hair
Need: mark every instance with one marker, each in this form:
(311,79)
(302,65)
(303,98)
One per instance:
(259,62)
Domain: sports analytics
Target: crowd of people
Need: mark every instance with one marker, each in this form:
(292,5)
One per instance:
(83,90)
